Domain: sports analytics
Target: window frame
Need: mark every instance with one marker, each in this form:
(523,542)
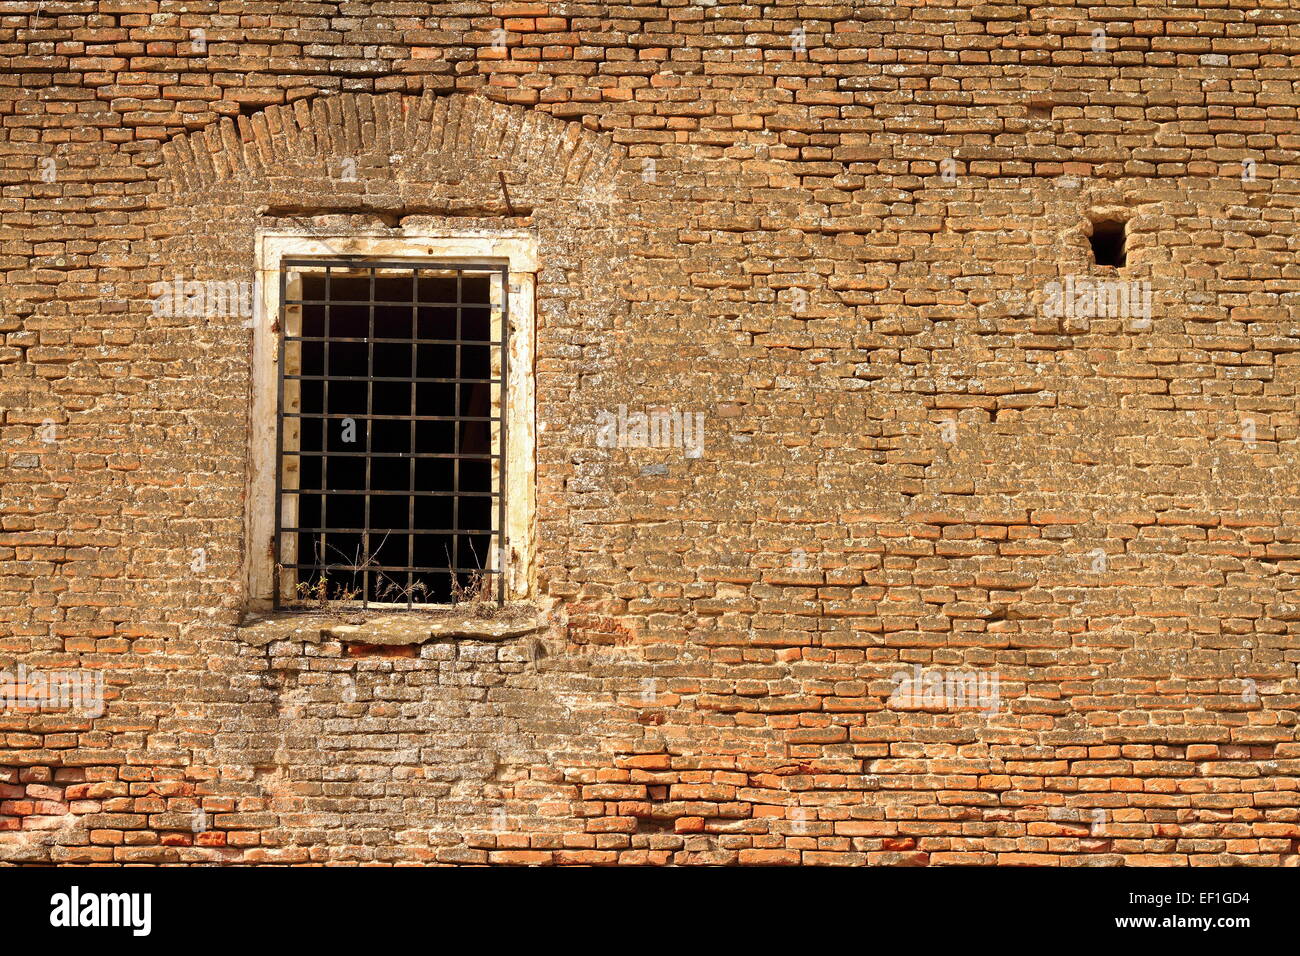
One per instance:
(514,249)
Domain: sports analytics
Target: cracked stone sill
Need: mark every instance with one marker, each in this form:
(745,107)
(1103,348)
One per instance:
(392,627)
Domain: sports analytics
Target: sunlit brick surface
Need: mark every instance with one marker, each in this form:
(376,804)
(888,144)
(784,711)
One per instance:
(980,552)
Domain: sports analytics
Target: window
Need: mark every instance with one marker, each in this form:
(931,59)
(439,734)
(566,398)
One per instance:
(396,475)
(391,438)
(1107,241)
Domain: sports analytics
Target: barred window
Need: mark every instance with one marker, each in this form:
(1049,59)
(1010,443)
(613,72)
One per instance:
(391,434)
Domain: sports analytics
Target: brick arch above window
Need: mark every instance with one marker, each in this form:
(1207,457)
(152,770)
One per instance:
(426,168)
(379,143)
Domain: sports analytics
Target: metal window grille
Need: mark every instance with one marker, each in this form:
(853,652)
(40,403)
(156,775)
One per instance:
(391,433)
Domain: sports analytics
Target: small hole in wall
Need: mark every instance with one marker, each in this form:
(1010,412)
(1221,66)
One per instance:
(1107,241)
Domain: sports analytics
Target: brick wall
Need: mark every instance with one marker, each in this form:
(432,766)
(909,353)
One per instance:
(831,230)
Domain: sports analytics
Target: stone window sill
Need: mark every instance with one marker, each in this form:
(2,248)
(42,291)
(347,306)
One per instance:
(383,627)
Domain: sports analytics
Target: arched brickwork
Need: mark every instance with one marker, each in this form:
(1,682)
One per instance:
(457,139)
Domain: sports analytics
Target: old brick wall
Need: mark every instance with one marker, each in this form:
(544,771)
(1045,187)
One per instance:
(831,230)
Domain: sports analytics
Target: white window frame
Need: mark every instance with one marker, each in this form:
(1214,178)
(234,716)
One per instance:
(515,248)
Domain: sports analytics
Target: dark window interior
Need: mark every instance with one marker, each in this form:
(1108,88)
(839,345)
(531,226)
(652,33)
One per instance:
(1108,243)
(395,485)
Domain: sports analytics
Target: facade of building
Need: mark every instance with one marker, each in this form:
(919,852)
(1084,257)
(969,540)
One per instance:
(674,432)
